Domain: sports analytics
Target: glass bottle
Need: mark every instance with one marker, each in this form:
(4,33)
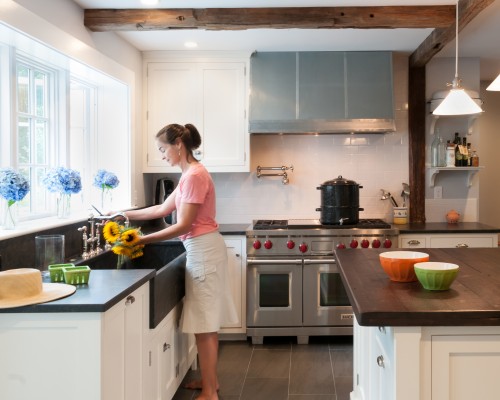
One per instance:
(458,155)
(438,151)
(463,151)
(469,155)
(450,154)
(475,159)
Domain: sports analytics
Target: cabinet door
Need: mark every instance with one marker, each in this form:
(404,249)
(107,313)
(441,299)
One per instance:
(172,97)
(369,85)
(381,365)
(321,88)
(273,79)
(122,347)
(465,367)
(223,124)
(165,348)
(235,266)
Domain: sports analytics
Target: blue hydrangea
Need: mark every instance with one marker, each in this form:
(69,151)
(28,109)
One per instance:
(13,185)
(62,180)
(105,180)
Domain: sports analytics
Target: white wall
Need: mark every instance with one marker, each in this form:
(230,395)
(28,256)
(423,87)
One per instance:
(489,191)
(374,161)
(455,192)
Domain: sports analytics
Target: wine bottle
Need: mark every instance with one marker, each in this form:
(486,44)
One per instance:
(458,155)
(463,152)
(469,155)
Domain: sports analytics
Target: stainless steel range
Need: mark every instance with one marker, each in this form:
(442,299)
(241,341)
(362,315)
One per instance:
(293,284)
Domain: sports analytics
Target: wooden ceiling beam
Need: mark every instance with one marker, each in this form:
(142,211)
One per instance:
(440,37)
(382,17)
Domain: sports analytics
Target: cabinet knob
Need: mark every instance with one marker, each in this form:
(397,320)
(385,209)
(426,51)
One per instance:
(413,242)
(462,245)
(166,346)
(130,300)
(237,255)
(381,329)
(380,361)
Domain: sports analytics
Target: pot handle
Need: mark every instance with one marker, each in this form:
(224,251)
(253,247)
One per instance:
(361,209)
(318,209)
(318,187)
(361,187)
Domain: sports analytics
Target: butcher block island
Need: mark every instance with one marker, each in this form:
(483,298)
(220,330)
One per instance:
(415,344)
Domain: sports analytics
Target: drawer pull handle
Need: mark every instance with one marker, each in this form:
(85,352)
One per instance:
(166,346)
(130,300)
(380,361)
(413,242)
(462,245)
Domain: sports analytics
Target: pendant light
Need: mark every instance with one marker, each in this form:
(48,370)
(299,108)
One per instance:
(495,85)
(457,102)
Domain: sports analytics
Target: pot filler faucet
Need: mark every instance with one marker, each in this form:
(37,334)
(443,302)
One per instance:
(92,240)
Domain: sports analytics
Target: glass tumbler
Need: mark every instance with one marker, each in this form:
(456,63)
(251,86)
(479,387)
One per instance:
(49,249)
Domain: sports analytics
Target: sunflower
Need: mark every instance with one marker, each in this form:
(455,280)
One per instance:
(122,250)
(111,232)
(137,251)
(130,237)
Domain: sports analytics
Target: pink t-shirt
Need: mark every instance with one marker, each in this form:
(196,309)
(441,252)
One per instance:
(196,187)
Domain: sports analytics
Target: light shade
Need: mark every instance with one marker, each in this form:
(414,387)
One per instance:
(457,102)
(495,85)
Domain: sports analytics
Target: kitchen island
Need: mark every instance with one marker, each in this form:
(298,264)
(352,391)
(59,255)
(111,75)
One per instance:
(414,344)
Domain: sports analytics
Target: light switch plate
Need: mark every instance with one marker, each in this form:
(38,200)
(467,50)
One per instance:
(438,192)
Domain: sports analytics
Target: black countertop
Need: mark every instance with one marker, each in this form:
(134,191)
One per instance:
(472,300)
(234,229)
(443,227)
(105,289)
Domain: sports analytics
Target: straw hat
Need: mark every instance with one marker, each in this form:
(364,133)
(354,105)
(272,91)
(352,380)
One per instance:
(23,286)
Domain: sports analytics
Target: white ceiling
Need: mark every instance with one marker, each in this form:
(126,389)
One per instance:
(478,39)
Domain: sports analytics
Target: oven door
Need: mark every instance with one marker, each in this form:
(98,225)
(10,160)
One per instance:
(325,299)
(274,292)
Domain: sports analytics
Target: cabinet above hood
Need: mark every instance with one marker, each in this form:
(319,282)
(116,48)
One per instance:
(321,93)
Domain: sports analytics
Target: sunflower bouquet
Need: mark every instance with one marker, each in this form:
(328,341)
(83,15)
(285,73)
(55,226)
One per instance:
(124,241)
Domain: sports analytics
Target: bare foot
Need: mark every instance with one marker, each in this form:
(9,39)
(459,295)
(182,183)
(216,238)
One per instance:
(195,385)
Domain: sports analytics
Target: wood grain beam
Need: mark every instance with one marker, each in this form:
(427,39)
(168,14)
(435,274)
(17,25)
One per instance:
(440,37)
(382,17)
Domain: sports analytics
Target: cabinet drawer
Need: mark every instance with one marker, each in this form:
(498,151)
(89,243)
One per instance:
(462,241)
(412,242)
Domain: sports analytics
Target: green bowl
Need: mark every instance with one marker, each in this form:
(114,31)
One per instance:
(435,275)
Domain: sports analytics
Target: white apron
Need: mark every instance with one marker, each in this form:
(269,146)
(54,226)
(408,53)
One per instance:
(208,303)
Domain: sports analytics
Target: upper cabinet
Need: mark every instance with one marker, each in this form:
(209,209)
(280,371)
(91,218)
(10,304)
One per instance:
(321,92)
(209,92)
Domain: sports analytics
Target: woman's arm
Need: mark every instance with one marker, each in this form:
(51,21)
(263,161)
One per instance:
(185,217)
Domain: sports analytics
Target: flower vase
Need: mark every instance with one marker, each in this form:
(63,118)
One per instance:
(106,199)
(9,214)
(63,205)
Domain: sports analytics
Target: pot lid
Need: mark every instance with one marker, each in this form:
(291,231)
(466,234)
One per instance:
(339,181)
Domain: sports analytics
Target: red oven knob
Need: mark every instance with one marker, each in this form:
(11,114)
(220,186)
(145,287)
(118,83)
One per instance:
(290,244)
(256,244)
(341,246)
(353,244)
(387,243)
(376,243)
(365,243)
(303,247)
(268,244)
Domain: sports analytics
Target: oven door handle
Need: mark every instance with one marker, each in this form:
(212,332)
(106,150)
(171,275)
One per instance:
(320,261)
(271,261)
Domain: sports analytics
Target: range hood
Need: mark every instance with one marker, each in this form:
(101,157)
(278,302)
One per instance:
(321,93)
(322,127)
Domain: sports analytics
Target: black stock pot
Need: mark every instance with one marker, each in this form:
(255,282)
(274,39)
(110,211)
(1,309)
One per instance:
(339,202)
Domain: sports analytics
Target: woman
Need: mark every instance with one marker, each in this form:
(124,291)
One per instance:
(207,302)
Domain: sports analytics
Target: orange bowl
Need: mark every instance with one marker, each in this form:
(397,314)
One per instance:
(398,265)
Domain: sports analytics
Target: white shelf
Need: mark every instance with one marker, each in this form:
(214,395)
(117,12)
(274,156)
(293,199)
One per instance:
(471,171)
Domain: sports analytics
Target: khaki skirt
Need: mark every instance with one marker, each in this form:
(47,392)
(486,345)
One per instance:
(208,304)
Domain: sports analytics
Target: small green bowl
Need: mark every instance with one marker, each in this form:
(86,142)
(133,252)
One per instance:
(435,275)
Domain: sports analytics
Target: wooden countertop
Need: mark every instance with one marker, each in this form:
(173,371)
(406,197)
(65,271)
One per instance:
(473,299)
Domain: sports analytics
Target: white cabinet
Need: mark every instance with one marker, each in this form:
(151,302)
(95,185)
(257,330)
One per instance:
(426,363)
(209,92)
(236,254)
(415,241)
(170,354)
(77,355)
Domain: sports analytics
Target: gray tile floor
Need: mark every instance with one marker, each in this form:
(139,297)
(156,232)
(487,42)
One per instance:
(282,370)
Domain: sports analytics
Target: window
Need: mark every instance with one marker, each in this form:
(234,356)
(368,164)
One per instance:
(34,120)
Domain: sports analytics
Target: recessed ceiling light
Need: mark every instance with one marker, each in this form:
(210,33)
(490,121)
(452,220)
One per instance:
(191,45)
